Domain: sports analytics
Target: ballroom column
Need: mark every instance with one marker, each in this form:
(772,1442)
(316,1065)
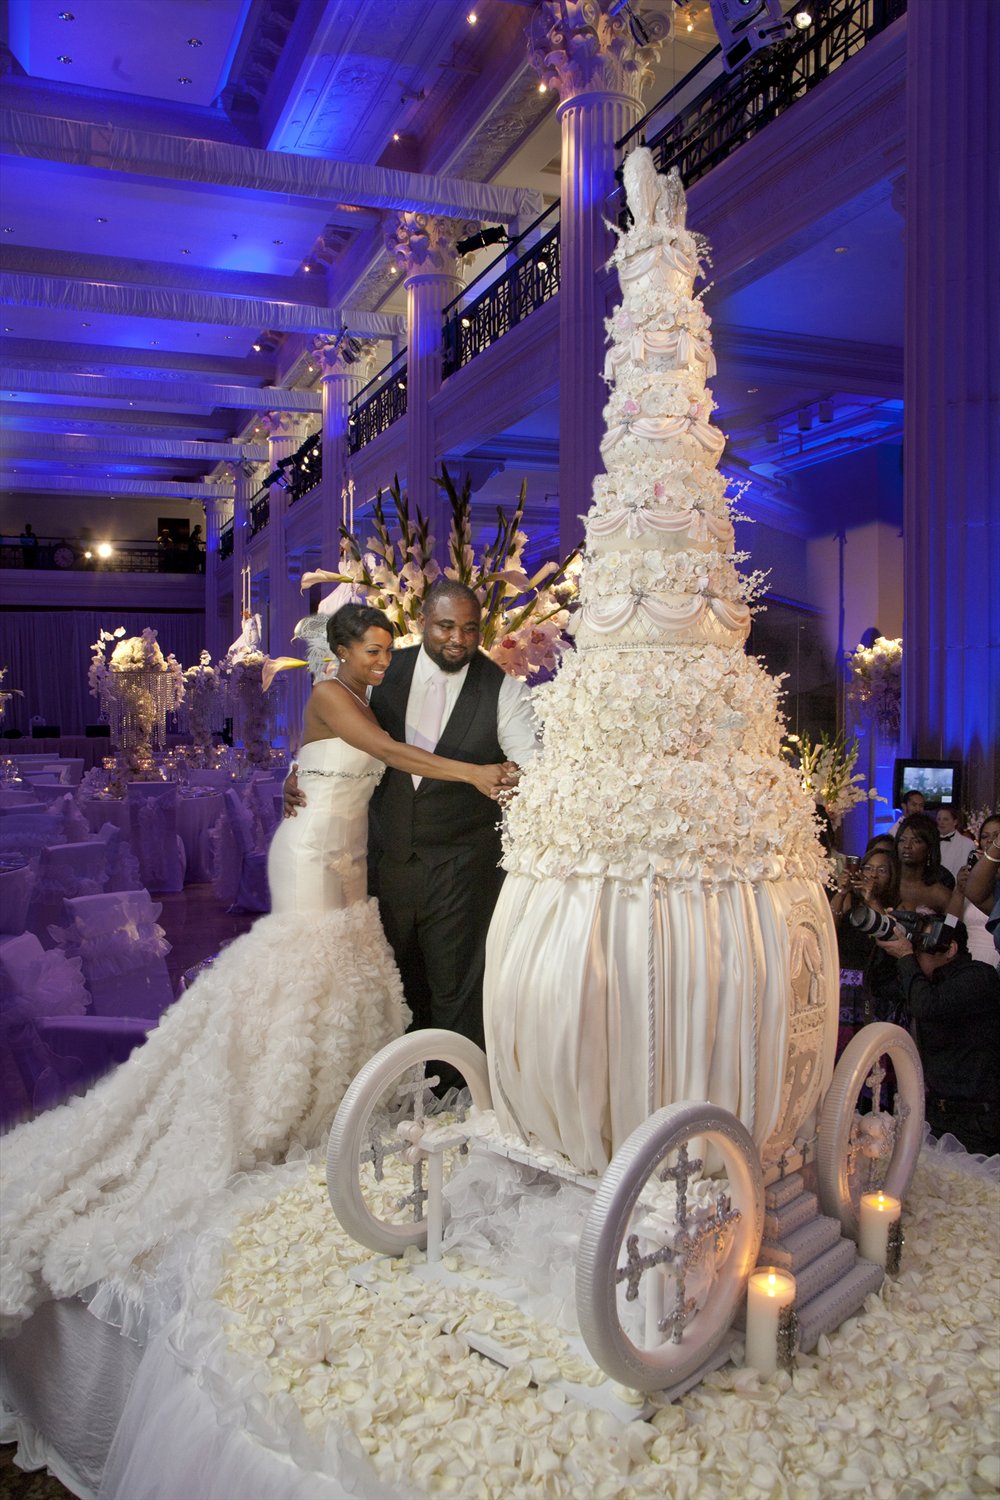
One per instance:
(424,247)
(245,486)
(282,441)
(345,371)
(951,372)
(600,70)
(216,512)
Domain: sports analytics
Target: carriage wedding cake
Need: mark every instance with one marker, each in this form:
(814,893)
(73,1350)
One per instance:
(663,933)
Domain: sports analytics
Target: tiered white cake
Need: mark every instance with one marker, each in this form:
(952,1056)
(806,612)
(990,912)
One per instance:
(663,933)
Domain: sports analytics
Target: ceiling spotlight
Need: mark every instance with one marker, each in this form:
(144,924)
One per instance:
(183,79)
(185,252)
(104,549)
(277,242)
(805,421)
(84,325)
(826,411)
(472,18)
(395,135)
(101,220)
(840,249)
(153,343)
(8,330)
(543,87)
(66,15)
(194,41)
(256,348)
(802,18)
(63,58)
(307,266)
(752,390)
(8,229)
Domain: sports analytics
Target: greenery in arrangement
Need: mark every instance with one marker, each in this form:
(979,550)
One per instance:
(827,769)
(524,617)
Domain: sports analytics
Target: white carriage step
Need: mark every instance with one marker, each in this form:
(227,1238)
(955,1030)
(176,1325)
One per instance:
(801,1246)
(783,1221)
(784,1190)
(826,1270)
(831,1308)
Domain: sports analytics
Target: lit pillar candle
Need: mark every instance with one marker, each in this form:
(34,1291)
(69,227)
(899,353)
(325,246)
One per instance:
(879,1213)
(768,1293)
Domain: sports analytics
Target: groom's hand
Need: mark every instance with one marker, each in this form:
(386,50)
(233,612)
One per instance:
(291,797)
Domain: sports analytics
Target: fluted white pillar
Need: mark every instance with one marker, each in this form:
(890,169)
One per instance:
(245,486)
(283,439)
(424,247)
(216,513)
(951,371)
(341,382)
(589,50)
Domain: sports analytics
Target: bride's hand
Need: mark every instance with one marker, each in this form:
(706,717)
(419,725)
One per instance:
(490,779)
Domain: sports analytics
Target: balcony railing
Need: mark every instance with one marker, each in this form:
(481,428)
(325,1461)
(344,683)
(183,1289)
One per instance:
(259,513)
(737,106)
(61,555)
(378,404)
(471,327)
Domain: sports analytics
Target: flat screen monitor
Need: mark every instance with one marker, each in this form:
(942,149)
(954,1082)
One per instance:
(939,780)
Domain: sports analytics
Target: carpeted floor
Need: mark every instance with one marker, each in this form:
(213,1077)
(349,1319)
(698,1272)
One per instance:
(15,1484)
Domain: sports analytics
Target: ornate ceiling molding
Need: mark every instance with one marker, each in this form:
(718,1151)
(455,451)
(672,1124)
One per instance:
(148,392)
(114,485)
(72,447)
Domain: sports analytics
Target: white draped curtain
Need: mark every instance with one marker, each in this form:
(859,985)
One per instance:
(48,656)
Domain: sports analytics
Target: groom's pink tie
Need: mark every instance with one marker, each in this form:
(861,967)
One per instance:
(427,730)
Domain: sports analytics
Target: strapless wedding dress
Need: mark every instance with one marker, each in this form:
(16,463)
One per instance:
(251,1060)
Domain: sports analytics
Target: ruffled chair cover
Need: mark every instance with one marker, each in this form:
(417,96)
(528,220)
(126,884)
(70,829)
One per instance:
(252,892)
(35,984)
(123,952)
(121,865)
(77,869)
(153,821)
(16,882)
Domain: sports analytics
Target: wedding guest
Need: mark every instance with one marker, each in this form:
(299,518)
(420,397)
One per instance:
(925,885)
(195,551)
(955,847)
(911,802)
(29,547)
(954,1005)
(875,883)
(978,886)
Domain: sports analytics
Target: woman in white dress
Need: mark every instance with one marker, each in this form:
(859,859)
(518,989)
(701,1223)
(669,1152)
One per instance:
(256,1055)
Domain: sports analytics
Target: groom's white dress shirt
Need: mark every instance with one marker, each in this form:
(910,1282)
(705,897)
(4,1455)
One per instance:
(517,728)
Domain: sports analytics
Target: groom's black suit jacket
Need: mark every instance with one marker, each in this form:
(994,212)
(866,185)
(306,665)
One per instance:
(439,818)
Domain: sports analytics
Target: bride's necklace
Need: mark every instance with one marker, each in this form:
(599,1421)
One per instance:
(356,696)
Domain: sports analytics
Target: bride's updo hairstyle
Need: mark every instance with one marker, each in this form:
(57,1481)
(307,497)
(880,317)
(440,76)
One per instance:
(350,623)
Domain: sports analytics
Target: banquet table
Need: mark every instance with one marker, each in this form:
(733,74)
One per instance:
(197,810)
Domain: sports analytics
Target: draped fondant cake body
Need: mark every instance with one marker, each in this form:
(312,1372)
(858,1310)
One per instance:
(663,933)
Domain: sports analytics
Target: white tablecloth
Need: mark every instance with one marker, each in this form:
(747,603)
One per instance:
(197,810)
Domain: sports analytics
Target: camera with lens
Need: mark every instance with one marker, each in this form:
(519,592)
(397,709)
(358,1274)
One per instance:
(928,933)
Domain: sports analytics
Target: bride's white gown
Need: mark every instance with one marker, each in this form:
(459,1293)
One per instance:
(254,1057)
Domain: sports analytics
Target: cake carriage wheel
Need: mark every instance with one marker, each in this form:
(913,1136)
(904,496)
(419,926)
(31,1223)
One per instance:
(389,1091)
(855,1148)
(680,1342)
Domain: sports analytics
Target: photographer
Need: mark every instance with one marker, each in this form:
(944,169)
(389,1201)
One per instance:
(954,1004)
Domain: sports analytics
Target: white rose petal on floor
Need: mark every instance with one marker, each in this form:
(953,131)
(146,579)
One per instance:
(899,1402)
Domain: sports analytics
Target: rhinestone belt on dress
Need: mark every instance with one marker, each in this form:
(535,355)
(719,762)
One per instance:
(346,775)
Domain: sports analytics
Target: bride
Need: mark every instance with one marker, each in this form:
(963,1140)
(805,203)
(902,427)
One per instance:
(256,1055)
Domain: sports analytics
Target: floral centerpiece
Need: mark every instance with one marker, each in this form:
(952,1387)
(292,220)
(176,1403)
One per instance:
(204,708)
(876,682)
(240,673)
(828,774)
(524,617)
(136,689)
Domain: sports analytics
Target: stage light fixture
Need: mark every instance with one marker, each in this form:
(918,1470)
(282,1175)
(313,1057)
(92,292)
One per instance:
(472,18)
(256,348)
(826,411)
(802,19)
(745,27)
(805,421)
(194,41)
(66,15)
(183,79)
(485,237)
(63,58)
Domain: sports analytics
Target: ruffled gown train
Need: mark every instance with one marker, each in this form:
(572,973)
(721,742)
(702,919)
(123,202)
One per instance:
(252,1059)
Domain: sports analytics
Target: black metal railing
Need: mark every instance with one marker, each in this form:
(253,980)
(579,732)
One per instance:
(378,404)
(259,512)
(471,327)
(70,555)
(737,106)
(227,540)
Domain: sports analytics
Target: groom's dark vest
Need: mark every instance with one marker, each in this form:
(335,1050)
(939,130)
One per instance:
(439,818)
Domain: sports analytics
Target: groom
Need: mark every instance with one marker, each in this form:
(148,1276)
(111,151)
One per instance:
(434,847)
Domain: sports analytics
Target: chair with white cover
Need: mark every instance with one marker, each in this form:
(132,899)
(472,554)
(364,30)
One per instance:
(153,821)
(123,950)
(70,869)
(35,985)
(45,790)
(17,880)
(252,892)
(121,865)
